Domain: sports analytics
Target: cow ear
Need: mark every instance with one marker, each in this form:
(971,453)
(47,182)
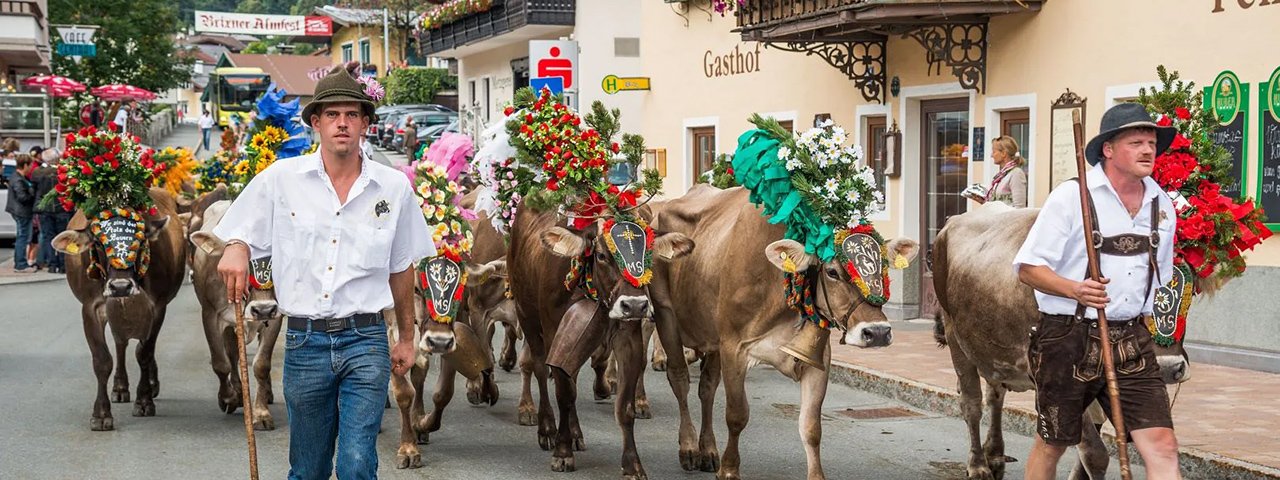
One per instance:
(71,242)
(904,250)
(207,242)
(670,246)
(563,243)
(155,226)
(789,256)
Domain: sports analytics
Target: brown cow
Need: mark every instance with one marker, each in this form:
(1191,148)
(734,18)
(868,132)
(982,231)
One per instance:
(562,328)
(263,319)
(118,294)
(461,351)
(986,324)
(727,302)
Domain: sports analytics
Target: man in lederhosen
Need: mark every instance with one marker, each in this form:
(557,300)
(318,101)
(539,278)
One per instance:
(1135,222)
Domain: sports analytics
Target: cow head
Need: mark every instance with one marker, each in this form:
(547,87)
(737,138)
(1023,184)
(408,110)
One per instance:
(1168,326)
(850,290)
(440,287)
(485,296)
(261,304)
(118,241)
(617,258)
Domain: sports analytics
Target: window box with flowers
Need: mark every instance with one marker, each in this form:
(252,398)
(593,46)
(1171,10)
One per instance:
(453,10)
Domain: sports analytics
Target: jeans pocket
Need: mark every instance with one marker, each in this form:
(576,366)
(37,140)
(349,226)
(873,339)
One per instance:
(372,331)
(1090,366)
(294,339)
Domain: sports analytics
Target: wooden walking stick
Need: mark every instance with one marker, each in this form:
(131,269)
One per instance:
(244,393)
(1095,274)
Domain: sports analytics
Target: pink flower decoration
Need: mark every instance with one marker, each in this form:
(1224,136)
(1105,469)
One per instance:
(372,88)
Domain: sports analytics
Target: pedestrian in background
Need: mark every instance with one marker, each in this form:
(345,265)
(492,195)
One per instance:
(21,203)
(52,217)
(206,127)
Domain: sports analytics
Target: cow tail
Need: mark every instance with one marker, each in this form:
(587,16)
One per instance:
(940,330)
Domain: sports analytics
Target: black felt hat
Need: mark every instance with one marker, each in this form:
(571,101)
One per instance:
(1120,118)
(339,86)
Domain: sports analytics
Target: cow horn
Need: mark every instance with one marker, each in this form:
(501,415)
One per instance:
(809,345)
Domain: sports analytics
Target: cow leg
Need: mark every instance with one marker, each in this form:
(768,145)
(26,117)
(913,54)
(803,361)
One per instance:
(219,360)
(233,401)
(813,391)
(527,414)
(708,382)
(678,377)
(407,455)
(120,388)
(659,361)
(95,334)
(737,411)
(1092,453)
(546,416)
(566,395)
(971,409)
(417,412)
(441,397)
(262,419)
(606,378)
(153,376)
(993,448)
(144,405)
(643,410)
(628,351)
(508,359)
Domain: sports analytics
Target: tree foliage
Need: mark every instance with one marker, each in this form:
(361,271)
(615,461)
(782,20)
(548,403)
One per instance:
(135,43)
(417,85)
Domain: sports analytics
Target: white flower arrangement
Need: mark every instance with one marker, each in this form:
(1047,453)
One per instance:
(830,176)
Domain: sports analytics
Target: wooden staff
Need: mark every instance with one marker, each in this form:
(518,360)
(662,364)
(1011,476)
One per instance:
(1095,274)
(244,393)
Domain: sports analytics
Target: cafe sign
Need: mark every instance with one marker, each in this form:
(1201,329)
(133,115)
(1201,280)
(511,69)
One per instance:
(1225,97)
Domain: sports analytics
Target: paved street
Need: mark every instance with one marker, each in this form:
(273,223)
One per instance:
(47,385)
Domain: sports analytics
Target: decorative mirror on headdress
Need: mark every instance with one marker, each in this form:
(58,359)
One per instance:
(260,273)
(1172,300)
(631,243)
(444,280)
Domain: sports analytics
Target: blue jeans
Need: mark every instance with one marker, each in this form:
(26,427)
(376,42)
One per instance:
(51,224)
(20,242)
(204,144)
(335,386)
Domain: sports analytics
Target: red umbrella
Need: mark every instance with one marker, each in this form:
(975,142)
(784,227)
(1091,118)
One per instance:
(60,92)
(117,91)
(51,82)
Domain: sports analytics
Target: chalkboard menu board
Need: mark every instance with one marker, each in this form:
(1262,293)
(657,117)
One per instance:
(1228,99)
(1268,194)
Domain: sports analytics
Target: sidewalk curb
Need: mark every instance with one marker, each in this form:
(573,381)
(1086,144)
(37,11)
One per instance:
(31,278)
(1195,463)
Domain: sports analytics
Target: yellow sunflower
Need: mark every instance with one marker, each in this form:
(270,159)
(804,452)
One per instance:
(242,167)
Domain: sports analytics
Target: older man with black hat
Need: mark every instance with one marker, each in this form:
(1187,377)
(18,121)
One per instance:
(343,233)
(1135,223)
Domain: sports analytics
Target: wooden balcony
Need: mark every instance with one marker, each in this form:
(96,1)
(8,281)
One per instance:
(531,17)
(851,35)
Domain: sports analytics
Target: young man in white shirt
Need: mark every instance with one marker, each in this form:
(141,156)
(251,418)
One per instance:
(344,233)
(1135,221)
(121,121)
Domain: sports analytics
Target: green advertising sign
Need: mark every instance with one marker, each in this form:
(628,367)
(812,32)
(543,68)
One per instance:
(1268,172)
(1225,97)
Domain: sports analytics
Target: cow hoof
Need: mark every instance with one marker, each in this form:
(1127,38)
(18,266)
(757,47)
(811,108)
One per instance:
(709,462)
(104,424)
(579,445)
(228,407)
(728,476)
(981,473)
(409,460)
(689,460)
(562,464)
(659,365)
(144,408)
(546,441)
(528,418)
(474,396)
(120,396)
(424,438)
(642,410)
(635,476)
(264,423)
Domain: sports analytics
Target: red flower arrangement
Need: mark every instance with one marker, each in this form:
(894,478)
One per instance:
(1213,229)
(102,170)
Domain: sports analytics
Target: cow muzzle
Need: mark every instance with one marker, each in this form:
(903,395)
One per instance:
(263,310)
(870,334)
(629,307)
(1174,369)
(121,287)
(438,341)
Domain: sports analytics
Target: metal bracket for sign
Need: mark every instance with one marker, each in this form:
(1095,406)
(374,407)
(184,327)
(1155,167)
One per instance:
(961,46)
(862,61)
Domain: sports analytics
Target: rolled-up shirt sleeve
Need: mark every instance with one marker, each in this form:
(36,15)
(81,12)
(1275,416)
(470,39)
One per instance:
(249,218)
(412,240)
(1047,240)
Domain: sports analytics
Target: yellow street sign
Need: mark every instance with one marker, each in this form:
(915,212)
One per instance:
(613,84)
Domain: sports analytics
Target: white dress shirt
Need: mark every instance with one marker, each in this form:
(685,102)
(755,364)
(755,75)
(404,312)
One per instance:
(122,118)
(1057,241)
(330,260)
(206,121)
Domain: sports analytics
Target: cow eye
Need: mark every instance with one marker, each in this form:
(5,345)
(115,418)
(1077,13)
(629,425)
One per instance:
(601,257)
(833,272)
